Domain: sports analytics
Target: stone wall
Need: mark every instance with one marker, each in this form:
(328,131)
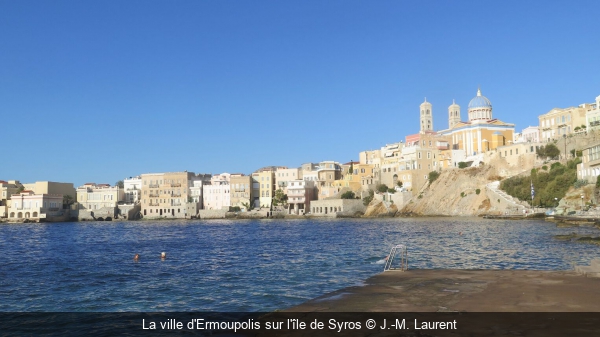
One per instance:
(337,207)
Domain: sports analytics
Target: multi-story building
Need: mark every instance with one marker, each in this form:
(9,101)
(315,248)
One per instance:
(92,196)
(29,205)
(216,195)
(196,189)
(300,194)
(8,188)
(133,189)
(561,122)
(592,115)
(265,179)
(50,187)
(589,168)
(530,134)
(240,188)
(166,194)
(284,175)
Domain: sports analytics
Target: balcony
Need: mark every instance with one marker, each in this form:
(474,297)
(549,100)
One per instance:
(176,204)
(153,195)
(153,186)
(175,185)
(153,204)
(595,123)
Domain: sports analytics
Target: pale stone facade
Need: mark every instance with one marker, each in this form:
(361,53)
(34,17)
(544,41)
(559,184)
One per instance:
(300,194)
(166,194)
(50,187)
(93,196)
(519,154)
(426,117)
(284,175)
(558,122)
(8,188)
(28,205)
(240,187)
(133,189)
(589,168)
(217,195)
(336,207)
(592,116)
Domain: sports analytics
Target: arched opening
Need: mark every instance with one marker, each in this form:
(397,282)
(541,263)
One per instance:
(12,214)
(27,215)
(20,215)
(35,214)
(161,211)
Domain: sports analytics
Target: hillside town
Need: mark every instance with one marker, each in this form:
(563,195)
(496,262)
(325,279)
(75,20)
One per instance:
(393,175)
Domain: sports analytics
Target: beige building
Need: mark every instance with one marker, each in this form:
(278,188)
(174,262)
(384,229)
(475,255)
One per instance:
(93,196)
(240,187)
(166,194)
(50,187)
(28,205)
(265,179)
(8,188)
(284,175)
(560,122)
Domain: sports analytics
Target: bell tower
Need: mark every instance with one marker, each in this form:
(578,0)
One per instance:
(426,117)
(453,114)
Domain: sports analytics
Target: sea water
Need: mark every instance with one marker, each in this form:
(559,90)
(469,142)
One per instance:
(250,265)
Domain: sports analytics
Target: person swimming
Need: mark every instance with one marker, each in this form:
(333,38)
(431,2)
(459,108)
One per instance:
(136,257)
(163,255)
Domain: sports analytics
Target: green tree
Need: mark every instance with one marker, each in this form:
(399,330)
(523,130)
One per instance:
(382,188)
(433,175)
(399,183)
(120,184)
(280,198)
(67,200)
(391,190)
(348,195)
(551,151)
(367,200)
(462,165)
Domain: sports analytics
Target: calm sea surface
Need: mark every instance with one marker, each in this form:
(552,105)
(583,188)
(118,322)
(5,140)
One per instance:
(249,266)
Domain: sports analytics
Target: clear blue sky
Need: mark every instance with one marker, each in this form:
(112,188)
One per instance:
(99,91)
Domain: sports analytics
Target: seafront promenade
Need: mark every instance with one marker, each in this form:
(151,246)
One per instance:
(453,302)
(452,290)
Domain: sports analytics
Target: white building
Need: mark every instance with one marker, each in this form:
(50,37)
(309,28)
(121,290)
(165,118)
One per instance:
(28,205)
(133,189)
(592,116)
(300,193)
(216,195)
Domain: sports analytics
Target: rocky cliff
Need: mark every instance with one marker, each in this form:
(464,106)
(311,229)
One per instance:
(458,192)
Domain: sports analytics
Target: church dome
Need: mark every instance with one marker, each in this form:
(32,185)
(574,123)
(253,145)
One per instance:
(480,102)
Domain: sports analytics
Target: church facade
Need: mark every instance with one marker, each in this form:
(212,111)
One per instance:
(481,132)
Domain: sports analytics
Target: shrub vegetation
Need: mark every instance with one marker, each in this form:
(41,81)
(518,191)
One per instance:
(548,185)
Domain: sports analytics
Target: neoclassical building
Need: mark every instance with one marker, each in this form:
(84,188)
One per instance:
(481,132)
